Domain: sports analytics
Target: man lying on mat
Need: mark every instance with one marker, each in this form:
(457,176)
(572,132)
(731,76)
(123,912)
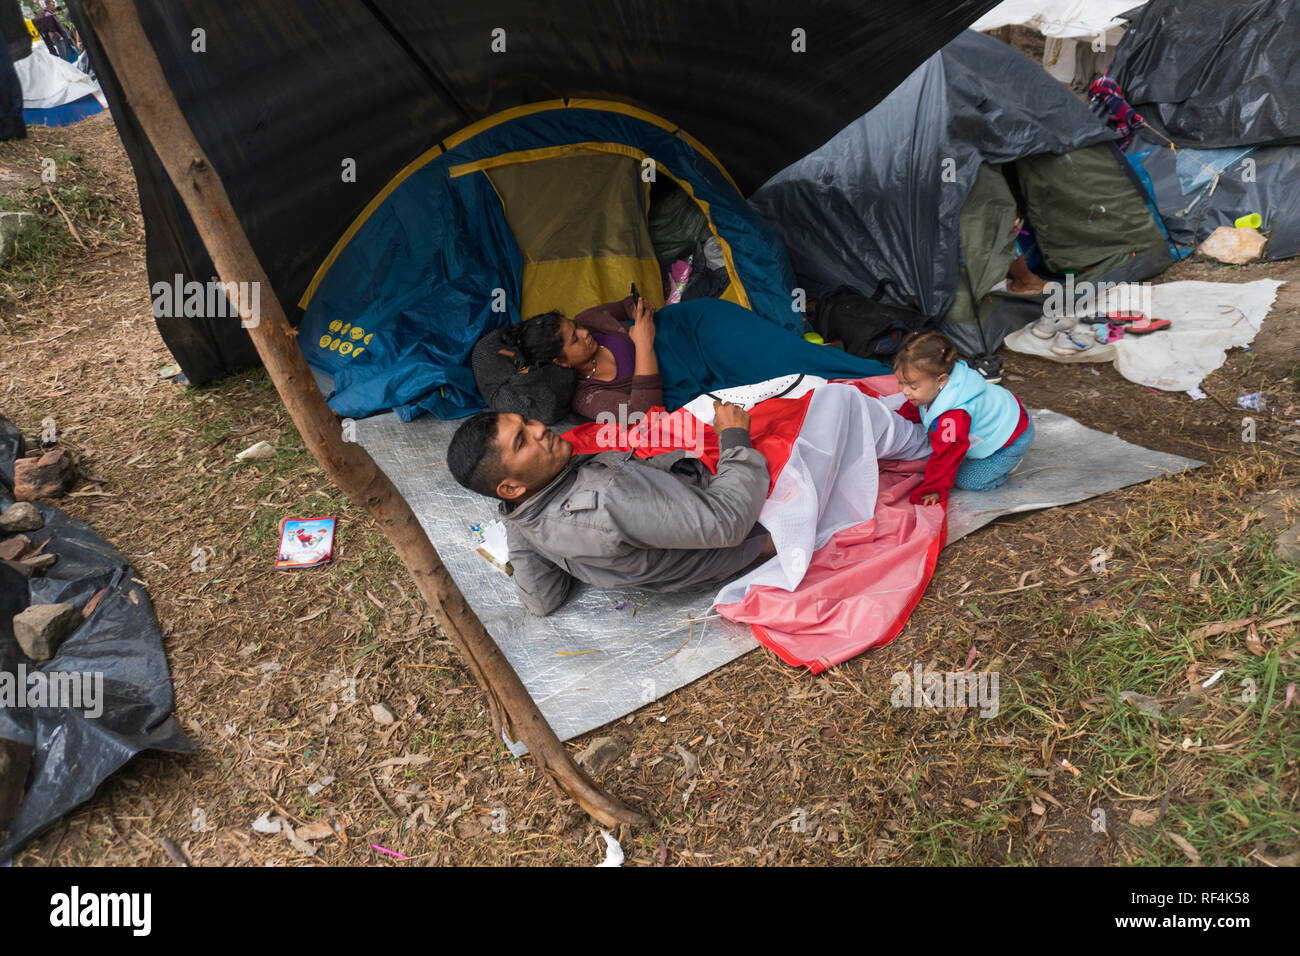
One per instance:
(614,520)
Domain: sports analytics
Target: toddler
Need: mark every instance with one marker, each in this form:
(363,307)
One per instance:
(978,431)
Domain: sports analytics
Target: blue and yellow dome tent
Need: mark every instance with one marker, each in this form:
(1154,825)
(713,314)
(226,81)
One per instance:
(535,208)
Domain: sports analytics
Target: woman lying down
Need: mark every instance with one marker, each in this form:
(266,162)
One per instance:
(666,359)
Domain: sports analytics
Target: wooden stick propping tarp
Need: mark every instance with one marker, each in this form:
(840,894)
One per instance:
(355,473)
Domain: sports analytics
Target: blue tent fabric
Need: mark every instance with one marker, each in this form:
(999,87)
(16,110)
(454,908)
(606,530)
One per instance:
(707,344)
(64,115)
(396,316)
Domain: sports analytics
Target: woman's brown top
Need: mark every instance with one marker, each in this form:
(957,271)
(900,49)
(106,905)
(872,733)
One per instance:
(638,392)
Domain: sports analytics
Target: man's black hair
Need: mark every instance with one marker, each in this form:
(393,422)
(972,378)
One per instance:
(474,458)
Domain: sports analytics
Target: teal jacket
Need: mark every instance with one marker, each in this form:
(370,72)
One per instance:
(994,412)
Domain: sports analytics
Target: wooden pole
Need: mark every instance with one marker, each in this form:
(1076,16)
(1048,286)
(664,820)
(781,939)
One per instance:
(347,463)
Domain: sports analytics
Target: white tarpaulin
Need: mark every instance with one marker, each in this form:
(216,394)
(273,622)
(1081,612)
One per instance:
(1063,19)
(1206,319)
(49,81)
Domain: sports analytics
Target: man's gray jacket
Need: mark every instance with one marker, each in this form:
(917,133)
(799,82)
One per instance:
(614,520)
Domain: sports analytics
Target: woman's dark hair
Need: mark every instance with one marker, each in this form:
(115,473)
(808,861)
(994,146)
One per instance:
(929,352)
(537,340)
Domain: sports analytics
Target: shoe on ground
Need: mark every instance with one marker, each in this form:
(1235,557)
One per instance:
(1048,326)
(1072,343)
(989,367)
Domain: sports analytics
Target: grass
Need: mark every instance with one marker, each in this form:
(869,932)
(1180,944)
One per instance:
(1219,771)
(39,256)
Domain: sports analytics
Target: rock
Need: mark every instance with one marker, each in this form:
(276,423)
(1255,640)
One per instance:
(601,754)
(382,714)
(1232,245)
(42,628)
(11,549)
(1287,546)
(23,516)
(24,569)
(13,227)
(15,760)
(49,476)
(41,562)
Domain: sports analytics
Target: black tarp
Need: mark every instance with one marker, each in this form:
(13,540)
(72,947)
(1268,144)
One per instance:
(15,44)
(73,752)
(284,92)
(1210,73)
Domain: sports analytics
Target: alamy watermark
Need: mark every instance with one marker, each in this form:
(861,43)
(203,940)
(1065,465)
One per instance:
(213,299)
(679,429)
(74,690)
(1071,298)
(922,688)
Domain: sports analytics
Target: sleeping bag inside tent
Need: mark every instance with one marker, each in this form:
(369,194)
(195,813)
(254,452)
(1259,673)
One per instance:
(555,205)
(923,192)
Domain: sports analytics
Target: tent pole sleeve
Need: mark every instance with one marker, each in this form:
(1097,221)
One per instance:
(145,88)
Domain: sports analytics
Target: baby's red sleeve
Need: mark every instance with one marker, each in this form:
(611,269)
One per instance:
(949,442)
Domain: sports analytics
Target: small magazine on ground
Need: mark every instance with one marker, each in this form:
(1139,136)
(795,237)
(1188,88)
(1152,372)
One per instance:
(305,542)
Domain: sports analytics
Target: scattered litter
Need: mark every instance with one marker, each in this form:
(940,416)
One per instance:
(320,830)
(318,786)
(1143,818)
(459,811)
(1251,401)
(305,542)
(384,849)
(1290,696)
(1196,395)
(299,844)
(1232,245)
(382,714)
(491,541)
(264,824)
(1212,679)
(168,371)
(1143,702)
(260,451)
(613,852)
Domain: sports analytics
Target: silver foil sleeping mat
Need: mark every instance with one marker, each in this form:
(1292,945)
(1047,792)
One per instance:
(606,653)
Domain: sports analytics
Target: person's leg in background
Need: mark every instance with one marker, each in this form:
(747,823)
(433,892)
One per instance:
(985,474)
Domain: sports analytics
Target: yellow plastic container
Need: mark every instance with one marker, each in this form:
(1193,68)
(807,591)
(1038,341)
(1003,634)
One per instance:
(1252,221)
(814,338)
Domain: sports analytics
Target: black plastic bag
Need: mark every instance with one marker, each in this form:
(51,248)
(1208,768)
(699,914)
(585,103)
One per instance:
(74,753)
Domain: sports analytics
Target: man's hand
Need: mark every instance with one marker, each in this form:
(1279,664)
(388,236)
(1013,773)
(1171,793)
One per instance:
(726,415)
(931,499)
(642,332)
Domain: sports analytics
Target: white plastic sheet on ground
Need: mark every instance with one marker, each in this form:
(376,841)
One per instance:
(605,654)
(1206,319)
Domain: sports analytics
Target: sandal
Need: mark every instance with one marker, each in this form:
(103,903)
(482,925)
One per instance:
(1145,326)
(1107,332)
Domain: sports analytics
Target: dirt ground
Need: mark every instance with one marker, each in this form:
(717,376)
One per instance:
(755,763)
